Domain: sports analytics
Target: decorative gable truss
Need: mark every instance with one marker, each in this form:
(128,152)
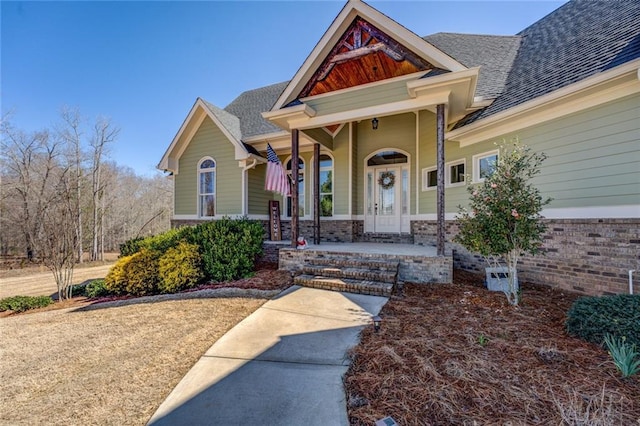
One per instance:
(364,54)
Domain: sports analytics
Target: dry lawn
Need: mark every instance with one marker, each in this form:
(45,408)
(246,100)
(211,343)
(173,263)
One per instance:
(458,354)
(112,363)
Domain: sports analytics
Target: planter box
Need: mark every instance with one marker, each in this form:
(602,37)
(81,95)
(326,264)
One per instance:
(497,279)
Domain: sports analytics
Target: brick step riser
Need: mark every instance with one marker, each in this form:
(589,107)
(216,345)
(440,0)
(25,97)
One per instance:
(380,265)
(357,274)
(345,287)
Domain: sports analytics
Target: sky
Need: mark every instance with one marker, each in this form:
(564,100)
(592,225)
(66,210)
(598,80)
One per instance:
(144,63)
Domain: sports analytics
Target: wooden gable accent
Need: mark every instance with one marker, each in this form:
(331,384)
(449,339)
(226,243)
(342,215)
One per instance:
(363,54)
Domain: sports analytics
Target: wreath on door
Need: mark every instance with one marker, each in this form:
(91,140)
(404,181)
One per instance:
(386,180)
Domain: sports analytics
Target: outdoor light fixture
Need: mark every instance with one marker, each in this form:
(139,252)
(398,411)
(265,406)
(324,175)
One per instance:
(376,323)
(374,123)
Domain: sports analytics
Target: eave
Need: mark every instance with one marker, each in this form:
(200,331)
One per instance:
(604,87)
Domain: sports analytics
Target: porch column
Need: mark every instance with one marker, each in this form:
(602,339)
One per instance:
(295,137)
(316,193)
(440,174)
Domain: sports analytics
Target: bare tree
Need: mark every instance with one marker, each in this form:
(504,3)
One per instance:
(71,133)
(105,133)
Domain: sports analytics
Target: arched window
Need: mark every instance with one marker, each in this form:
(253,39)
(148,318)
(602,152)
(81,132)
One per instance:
(300,187)
(326,185)
(207,187)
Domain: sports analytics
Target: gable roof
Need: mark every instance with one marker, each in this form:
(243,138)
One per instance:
(249,106)
(576,41)
(493,54)
(358,9)
(230,122)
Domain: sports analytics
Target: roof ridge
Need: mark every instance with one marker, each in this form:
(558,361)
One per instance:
(473,35)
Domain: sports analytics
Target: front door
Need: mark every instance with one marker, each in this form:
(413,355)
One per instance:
(386,200)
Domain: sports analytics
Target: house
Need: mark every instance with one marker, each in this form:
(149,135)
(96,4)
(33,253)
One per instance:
(376,112)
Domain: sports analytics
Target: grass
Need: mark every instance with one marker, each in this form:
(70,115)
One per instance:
(427,366)
(114,363)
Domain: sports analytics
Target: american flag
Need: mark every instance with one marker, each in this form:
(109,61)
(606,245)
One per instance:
(277,180)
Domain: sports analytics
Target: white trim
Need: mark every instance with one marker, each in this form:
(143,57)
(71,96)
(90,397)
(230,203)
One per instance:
(350,180)
(213,169)
(189,217)
(425,178)
(263,137)
(258,216)
(447,172)
(476,163)
(595,212)
(337,28)
(412,76)
(592,91)
(417,195)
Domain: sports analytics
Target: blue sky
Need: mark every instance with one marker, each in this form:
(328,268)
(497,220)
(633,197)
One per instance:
(144,63)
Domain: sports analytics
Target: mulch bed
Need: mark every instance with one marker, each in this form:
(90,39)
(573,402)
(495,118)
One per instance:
(459,354)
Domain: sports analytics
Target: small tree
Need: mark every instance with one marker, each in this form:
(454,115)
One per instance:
(503,220)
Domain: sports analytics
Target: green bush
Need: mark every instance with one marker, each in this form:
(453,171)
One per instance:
(96,288)
(78,290)
(228,247)
(591,318)
(116,280)
(24,303)
(141,273)
(131,246)
(180,268)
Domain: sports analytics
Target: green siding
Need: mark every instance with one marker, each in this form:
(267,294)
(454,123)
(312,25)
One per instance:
(209,141)
(361,98)
(258,197)
(592,157)
(394,132)
(341,170)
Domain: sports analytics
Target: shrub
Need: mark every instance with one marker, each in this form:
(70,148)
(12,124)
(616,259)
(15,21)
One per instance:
(96,288)
(78,290)
(24,303)
(503,220)
(131,246)
(180,268)
(228,247)
(116,280)
(141,273)
(591,318)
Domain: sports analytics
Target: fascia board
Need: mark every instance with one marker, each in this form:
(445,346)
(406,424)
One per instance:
(592,91)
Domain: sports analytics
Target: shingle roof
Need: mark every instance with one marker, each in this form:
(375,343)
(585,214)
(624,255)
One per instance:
(229,121)
(493,54)
(578,40)
(250,105)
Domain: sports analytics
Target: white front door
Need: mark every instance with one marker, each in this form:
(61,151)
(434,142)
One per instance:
(386,201)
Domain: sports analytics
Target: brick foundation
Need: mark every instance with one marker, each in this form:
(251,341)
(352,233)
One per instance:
(589,256)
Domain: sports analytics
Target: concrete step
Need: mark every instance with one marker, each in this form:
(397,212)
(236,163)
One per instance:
(391,238)
(375,288)
(388,274)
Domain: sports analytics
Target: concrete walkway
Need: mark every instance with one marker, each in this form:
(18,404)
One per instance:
(282,365)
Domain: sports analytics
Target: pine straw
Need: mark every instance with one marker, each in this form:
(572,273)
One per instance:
(113,363)
(426,366)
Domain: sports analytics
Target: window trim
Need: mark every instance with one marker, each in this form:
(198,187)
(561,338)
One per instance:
(447,175)
(476,163)
(199,172)
(425,178)
(333,183)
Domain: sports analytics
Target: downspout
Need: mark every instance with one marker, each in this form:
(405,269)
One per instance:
(631,271)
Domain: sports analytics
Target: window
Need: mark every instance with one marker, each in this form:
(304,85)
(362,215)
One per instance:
(326,185)
(484,165)
(429,178)
(454,175)
(207,187)
(300,187)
